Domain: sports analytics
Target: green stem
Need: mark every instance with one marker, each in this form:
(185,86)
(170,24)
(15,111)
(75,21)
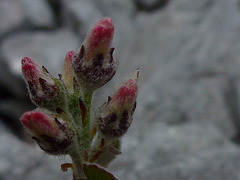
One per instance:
(78,173)
(82,129)
(87,98)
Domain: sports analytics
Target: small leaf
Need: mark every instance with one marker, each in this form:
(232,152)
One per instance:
(95,172)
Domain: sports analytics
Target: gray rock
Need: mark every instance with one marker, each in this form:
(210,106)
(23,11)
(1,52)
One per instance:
(11,109)
(48,48)
(216,164)
(171,98)
(12,15)
(20,160)
(116,9)
(23,14)
(38,13)
(10,83)
(14,100)
(178,149)
(150,5)
(80,15)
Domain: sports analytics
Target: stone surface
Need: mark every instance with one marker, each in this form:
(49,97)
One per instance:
(179,148)
(187,122)
(48,48)
(13,99)
(80,15)
(20,160)
(23,14)
(12,15)
(150,5)
(38,13)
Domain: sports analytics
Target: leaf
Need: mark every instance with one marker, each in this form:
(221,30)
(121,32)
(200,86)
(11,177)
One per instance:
(95,172)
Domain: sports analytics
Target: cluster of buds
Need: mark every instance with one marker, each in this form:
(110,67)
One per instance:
(62,123)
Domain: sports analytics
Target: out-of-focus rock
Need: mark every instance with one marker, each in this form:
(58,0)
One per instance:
(38,13)
(80,15)
(218,164)
(13,99)
(22,14)
(187,150)
(48,48)
(150,5)
(11,16)
(19,160)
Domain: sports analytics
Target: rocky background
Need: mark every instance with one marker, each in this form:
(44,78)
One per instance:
(187,123)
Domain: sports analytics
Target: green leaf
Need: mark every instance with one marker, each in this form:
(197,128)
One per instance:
(95,172)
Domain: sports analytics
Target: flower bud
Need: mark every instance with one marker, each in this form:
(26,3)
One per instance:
(93,64)
(68,75)
(116,117)
(45,91)
(51,133)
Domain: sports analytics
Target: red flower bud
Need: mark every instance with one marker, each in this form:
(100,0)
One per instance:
(50,132)
(116,117)
(93,64)
(44,91)
(99,40)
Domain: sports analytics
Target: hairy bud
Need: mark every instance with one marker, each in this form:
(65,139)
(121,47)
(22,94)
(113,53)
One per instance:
(51,132)
(93,64)
(45,91)
(68,74)
(116,117)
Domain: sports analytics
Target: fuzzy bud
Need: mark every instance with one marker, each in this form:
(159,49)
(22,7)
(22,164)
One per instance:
(51,132)
(68,74)
(45,91)
(93,64)
(116,117)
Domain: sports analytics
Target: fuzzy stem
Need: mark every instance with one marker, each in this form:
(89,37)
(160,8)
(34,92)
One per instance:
(83,139)
(78,173)
(87,97)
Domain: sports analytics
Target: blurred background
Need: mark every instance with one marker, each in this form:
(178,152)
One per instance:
(187,122)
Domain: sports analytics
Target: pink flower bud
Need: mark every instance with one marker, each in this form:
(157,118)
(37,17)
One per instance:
(99,40)
(93,64)
(116,117)
(50,132)
(44,91)
(68,75)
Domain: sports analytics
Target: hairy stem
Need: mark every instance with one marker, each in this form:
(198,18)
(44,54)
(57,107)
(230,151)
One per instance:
(78,173)
(87,98)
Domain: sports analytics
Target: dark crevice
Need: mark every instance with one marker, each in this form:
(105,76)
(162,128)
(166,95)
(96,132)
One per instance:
(232,103)
(142,6)
(181,119)
(23,29)
(236,138)
(238,3)
(12,125)
(56,6)
(4,93)
(13,101)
